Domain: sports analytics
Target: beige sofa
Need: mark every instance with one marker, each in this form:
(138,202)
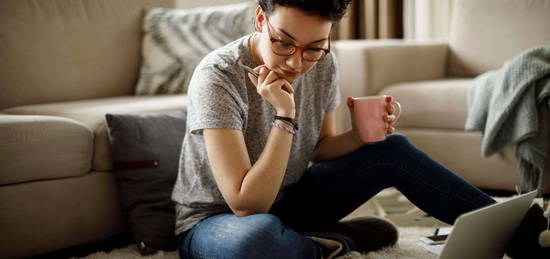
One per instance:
(65,64)
(431,81)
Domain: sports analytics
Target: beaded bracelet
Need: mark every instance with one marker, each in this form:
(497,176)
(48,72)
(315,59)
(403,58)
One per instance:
(292,132)
(288,120)
(288,124)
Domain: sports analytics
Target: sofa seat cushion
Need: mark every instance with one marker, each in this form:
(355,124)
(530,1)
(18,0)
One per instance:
(92,114)
(439,104)
(43,147)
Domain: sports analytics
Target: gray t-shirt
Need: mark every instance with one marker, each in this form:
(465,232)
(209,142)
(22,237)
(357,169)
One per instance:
(221,96)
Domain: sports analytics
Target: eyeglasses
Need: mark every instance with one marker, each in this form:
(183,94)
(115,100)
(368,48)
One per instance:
(283,48)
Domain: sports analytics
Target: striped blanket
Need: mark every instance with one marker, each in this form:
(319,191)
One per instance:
(175,40)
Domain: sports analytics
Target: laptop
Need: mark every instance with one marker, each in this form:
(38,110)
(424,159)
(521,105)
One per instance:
(485,232)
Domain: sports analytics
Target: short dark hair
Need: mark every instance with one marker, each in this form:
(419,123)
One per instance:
(332,10)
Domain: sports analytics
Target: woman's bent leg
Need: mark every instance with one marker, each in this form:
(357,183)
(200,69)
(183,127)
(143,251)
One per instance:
(332,189)
(255,236)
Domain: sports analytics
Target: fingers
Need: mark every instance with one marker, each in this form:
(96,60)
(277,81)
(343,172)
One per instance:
(389,118)
(271,77)
(287,87)
(281,84)
(389,104)
(389,108)
(253,79)
(266,76)
(277,85)
(270,80)
(257,69)
(350,102)
(263,72)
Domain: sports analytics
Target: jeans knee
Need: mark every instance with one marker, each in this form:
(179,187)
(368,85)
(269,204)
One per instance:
(262,223)
(254,236)
(393,140)
(253,227)
(246,237)
(397,138)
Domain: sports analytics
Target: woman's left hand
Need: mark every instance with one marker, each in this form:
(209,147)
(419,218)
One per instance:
(389,118)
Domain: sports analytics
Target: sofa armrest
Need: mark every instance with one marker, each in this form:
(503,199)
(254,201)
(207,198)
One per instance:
(367,66)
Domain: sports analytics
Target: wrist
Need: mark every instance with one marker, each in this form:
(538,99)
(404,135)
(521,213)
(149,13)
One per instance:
(285,128)
(354,136)
(289,114)
(287,120)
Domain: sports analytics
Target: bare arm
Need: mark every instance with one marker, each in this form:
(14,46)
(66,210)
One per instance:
(247,188)
(332,145)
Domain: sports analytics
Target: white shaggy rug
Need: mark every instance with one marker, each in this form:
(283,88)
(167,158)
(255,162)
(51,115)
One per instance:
(410,231)
(406,248)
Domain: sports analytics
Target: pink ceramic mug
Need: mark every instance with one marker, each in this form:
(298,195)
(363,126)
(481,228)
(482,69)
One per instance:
(369,114)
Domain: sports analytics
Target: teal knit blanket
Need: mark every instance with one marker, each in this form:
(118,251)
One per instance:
(511,105)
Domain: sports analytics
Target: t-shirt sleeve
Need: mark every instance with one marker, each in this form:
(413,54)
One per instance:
(333,94)
(213,102)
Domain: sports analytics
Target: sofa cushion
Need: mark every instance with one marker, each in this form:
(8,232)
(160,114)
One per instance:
(175,41)
(43,147)
(438,104)
(92,114)
(485,34)
(59,50)
(460,152)
(43,216)
(145,150)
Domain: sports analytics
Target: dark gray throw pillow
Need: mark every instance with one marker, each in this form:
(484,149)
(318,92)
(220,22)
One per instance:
(145,150)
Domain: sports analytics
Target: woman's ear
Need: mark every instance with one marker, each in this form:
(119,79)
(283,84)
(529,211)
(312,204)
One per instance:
(258,19)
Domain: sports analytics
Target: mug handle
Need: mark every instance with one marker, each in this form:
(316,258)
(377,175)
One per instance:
(396,111)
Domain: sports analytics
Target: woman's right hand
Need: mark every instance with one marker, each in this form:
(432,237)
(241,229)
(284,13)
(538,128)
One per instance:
(276,90)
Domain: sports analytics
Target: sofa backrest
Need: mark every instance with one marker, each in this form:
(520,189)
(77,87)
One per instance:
(60,50)
(486,33)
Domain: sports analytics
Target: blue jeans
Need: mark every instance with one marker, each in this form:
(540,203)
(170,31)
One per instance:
(327,192)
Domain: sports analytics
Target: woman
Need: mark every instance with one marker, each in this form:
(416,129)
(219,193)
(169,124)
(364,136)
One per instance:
(244,189)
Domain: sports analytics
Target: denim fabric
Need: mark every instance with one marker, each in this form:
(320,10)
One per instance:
(255,236)
(327,192)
